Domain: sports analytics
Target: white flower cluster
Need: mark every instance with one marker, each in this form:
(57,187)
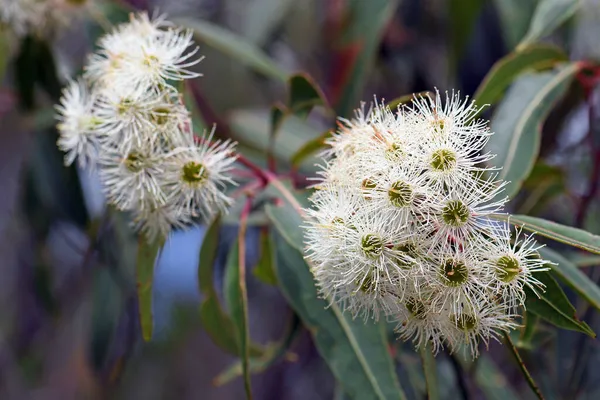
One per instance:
(400,225)
(127,120)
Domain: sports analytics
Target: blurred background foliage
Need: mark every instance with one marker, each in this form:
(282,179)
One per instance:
(69,308)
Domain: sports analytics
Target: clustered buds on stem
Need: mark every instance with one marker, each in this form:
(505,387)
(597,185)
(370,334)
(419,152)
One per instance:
(126,119)
(400,225)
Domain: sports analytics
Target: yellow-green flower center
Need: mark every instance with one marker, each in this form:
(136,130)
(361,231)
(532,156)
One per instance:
(455,213)
(443,160)
(454,273)
(416,308)
(507,268)
(400,194)
(372,245)
(134,161)
(194,173)
(464,322)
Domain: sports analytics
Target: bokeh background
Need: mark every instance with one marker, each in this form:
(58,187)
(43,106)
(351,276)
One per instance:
(69,316)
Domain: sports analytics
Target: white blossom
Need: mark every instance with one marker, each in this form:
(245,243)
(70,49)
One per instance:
(401,224)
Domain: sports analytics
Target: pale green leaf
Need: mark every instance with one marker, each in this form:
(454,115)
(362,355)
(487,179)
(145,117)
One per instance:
(518,120)
(548,15)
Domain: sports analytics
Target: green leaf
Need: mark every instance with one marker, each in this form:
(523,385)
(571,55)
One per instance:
(527,333)
(543,184)
(235,46)
(548,15)
(236,296)
(304,95)
(287,222)
(215,320)
(514,18)
(573,277)
(271,355)
(584,260)
(554,306)
(505,70)
(309,148)
(357,353)
(365,24)
(265,269)
(146,258)
(430,371)
(561,233)
(518,120)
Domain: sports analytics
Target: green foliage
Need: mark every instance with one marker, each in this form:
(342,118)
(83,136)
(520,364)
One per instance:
(553,306)
(235,46)
(503,73)
(518,120)
(236,296)
(430,371)
(561,233)
(548,15)
(265,268)
(146,258)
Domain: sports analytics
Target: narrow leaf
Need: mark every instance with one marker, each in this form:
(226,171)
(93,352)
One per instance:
(463,16)
(146,258)
(265,269)
(573,277)
(235,46)
(237,301)
(554,306)
(364,27)
(561,233)
(518,120)
(215,320)
(304,94)
(430,371)
(356,352)
(505,70)
(548,15)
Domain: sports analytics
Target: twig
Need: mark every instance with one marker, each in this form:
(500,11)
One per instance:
(523,368)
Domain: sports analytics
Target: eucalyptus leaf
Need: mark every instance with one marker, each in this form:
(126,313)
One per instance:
(265,268)
(561,233)
(235,46)
(573,277)
(553,306)
(215,320)
(146,258)
(236,296)
(364,27)
(518,120)
(503,73)
(304,94)
(548,15)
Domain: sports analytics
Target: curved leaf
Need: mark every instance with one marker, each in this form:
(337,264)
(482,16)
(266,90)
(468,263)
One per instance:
(364,27)
(265,268)
(518,120)
(505,70)
(548,15)
(304,94)
(573,277)
(309,148)
(561,233)
(235,46)
(554,306)
(357,353)
(144,267)
(236,297)
(215,320)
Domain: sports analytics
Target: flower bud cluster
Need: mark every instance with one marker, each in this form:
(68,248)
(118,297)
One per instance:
(400,225)
(126,119)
